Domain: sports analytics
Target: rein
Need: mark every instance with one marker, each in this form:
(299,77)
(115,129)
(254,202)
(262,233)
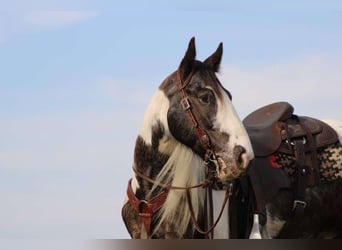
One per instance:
(147,208)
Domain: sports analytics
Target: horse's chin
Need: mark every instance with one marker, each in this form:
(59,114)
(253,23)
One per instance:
(228,170)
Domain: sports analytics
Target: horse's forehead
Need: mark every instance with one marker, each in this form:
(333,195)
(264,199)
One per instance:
(208,79)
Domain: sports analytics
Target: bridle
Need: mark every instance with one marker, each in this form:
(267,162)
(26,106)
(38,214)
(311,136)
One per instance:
(202,134)
(147,208)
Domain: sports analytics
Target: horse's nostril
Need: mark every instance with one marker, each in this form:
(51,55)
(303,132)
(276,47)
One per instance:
(238,151)
(240,157)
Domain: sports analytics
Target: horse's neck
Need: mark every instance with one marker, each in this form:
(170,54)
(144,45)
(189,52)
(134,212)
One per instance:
(148,161)
(180,168)
(160,157)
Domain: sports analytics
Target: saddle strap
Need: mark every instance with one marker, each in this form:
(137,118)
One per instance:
(146,208)
(307,172)
(313,171)
(301,178)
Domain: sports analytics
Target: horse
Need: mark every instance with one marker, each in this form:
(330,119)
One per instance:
(293,188)
(190,148)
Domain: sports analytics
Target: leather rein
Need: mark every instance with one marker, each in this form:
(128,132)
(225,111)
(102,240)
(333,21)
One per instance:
(147,208)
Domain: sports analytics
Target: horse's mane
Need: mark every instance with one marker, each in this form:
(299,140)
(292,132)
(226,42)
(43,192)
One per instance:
(183,168)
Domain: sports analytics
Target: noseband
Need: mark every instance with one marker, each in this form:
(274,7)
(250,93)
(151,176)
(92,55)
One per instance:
(147,208)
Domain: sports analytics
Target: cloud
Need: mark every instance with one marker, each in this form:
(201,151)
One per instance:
(15,5)
(311,84)
(52,19)
(20,22)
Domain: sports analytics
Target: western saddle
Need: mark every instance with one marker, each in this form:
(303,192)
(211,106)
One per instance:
(276,129)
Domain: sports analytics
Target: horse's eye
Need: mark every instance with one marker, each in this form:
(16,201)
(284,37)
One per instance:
(205,97)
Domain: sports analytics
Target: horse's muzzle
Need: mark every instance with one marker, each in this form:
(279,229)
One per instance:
(235,166)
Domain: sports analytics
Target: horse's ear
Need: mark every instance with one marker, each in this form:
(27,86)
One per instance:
(188,60)
(215,59)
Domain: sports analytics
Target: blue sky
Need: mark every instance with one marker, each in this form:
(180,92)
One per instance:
(76,77)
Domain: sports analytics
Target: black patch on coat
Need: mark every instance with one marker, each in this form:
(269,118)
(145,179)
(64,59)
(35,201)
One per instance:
(148,160)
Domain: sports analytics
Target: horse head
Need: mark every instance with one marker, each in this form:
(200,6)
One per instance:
(202,117)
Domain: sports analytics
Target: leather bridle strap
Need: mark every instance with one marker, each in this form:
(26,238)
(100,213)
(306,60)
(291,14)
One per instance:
(202,184)
(193,217)
(203,136)
(155,203)
(146,208)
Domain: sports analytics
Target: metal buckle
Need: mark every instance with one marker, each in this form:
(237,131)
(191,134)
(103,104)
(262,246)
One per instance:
(296,202)
(142,203)
(185,103)
(292,143)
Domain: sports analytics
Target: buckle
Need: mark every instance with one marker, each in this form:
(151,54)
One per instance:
(298,202)
(185,103)
(141,206)
(288,141)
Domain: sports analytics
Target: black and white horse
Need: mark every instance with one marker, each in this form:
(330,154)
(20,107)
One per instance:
(191,140)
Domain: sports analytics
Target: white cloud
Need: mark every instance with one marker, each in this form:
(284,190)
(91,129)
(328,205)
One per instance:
(52,19)
(15,5)
(20,22)
(312,84)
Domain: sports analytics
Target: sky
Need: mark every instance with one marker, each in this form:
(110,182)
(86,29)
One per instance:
(76,77)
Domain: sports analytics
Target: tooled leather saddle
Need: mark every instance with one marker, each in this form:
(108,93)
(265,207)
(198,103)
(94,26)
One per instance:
(272,125)
(275,128)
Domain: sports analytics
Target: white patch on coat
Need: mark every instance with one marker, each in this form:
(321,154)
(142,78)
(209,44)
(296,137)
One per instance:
(167,144)
(156,111)
(228,121)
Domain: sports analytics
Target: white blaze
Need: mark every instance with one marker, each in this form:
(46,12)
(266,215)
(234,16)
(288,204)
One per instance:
(228,121)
